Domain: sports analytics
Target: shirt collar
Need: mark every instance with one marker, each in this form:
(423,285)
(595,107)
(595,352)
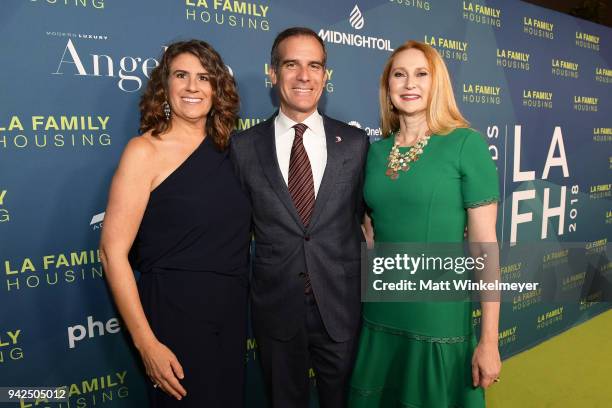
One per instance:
(314,123)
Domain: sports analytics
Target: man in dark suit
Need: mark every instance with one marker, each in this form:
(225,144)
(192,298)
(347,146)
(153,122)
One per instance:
(304,174)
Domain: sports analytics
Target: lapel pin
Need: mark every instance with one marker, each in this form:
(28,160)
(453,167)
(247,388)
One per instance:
(338,139)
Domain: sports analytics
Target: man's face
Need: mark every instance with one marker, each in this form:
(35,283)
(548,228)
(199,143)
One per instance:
(300,76)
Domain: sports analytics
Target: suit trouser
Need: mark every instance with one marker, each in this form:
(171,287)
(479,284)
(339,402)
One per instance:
(286,364)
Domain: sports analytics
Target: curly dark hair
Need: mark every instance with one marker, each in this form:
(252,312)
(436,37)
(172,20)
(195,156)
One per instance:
(224,111)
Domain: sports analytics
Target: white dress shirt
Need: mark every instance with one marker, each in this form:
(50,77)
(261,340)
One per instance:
(314,143)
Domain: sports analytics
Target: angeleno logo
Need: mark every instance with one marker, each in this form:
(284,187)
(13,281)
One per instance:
(356,18)
(128,69)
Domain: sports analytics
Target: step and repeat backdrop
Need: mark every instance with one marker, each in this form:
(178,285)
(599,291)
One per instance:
(537,84)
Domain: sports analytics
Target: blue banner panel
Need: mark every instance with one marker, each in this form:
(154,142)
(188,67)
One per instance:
(534,82)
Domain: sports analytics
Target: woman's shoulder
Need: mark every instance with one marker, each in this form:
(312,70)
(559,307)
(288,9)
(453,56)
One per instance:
(463,133)
(471,144)
(141,145)
(459,138)
(140,152)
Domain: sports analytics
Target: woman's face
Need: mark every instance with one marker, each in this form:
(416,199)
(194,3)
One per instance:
(410,82)
(190,93)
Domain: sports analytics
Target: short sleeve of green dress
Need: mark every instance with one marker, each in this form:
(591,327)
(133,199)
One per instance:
(479,180)
(418,354)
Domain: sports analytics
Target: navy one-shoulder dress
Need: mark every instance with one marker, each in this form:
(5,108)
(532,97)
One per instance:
(192,251)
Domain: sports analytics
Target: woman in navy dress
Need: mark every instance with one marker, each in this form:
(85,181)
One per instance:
(177,214)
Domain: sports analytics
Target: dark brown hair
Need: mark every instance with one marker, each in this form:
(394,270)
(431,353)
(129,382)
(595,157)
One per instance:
(221,119)
(293,32)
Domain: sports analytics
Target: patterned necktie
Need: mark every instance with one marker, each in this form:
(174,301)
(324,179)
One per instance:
(301,184)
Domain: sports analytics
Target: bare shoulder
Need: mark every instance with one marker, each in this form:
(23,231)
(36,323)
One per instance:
(140,150)
(139,158)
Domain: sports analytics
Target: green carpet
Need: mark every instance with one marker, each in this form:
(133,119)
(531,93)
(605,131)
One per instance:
(569,370)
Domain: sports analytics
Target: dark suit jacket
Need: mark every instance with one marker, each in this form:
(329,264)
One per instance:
(329,249)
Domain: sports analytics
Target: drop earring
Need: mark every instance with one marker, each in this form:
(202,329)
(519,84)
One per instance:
(167,110)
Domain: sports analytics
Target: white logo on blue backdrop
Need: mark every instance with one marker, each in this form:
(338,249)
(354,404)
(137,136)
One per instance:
(356,19)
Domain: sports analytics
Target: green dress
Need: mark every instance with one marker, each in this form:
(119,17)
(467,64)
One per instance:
(419,354)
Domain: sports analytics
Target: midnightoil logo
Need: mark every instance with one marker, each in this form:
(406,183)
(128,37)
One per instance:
(356,18)
(357,21)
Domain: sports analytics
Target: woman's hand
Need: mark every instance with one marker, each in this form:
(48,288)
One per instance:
(486,364)
(163,368)
(368,231)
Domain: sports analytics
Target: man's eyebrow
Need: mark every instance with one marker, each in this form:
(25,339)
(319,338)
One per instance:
(295,61)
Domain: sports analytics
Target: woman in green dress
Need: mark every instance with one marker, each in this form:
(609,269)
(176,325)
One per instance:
(429,179)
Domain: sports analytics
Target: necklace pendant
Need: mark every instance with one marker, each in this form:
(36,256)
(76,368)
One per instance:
(398,161)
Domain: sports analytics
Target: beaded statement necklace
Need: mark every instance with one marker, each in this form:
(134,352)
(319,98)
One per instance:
(401,161)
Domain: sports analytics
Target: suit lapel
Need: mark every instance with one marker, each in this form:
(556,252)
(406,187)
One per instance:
(266,151)
(333,165)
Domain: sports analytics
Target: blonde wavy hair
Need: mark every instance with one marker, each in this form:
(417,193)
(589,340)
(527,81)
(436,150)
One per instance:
(443,115)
